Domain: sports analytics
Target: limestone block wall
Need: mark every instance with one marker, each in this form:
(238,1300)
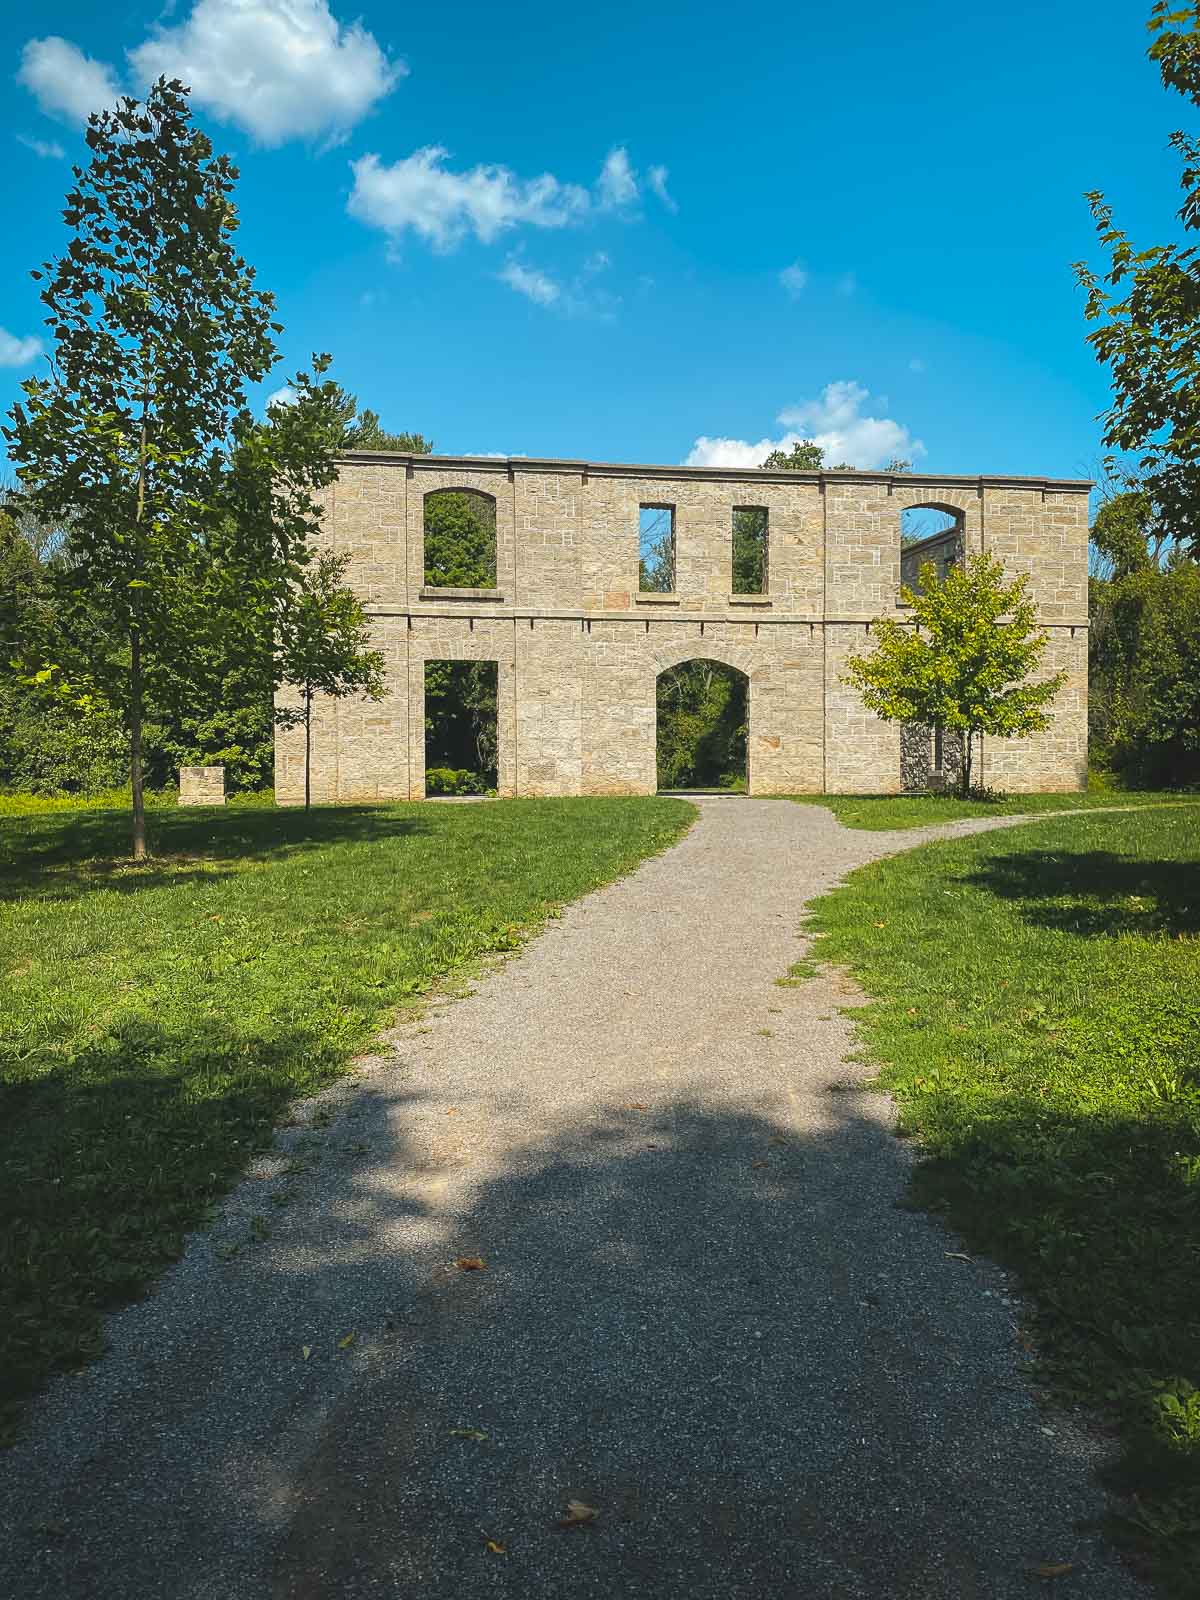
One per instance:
(579,648)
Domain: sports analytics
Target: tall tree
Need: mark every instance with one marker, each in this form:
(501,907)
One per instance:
(362,430)
(190,519)
(961,667)
(1146,307)
(804,456)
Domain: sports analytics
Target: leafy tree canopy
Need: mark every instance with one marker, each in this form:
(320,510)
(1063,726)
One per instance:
(1146,307)
(966,663)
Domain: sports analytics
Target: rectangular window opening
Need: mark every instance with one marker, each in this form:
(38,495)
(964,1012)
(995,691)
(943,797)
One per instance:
(750,573)
(461,743)
(656,549)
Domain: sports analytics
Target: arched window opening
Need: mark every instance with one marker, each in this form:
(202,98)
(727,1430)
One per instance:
(750,574)
(461,745)
(702,708)
(932,535)
(460,539)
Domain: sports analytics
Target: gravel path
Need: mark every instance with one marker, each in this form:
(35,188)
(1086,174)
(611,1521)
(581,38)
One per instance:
(705,1311)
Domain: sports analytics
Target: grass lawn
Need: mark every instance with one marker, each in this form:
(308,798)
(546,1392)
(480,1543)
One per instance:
(1037,1015)
(880,813)
(156,1020)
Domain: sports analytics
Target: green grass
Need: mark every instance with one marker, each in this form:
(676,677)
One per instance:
(1036,1012)
(157,1019)
(880,813)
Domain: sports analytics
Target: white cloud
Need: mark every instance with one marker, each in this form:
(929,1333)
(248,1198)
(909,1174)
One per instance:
(656,177)
(793,279)
(16,352)
(529,281)
(616,186)
(286,396)
(280,69)
(598,261)
(65,82)
(421,193)
(48,149)
(835,422)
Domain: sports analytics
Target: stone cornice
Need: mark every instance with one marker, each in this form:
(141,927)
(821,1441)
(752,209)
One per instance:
(508,465)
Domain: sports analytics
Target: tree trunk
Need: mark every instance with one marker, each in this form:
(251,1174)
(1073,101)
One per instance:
(965,775)
(135,744)
(307,745)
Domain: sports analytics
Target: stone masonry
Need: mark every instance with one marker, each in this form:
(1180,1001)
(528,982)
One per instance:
(579,648)
(203,786)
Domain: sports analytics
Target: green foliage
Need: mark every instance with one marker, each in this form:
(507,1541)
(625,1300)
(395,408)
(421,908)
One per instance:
(749,550)
(460,721)
(189,520)
(363,431)
(1036,1012)
(804,456)
(701,726)
(460,539)
(1145,671)
(958,665)
(451,780)
(242,967)
(1147,309)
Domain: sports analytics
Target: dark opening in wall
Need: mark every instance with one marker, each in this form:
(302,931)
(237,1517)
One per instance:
(460,727)
(460,539)
(750,550)
(929,534)
(702,712)
(656,549)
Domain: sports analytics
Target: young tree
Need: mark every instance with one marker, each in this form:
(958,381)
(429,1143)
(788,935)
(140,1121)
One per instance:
(189,518)
(327,649)
(364,431)
(805,456)
(1147,310)
(961,667)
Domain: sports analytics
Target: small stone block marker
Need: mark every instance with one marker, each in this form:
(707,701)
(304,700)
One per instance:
(202,786)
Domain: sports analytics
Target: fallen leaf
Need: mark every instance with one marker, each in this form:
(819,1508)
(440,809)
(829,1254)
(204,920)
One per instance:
(777,1138)
(468,1433)
(306,1351)
(637,1105)
(471,1264)
(957,1255)
(577,1514)
(879,924)
(760,1163)
(452,1112)
(344,1344)
(496,1548)
(1055,1569)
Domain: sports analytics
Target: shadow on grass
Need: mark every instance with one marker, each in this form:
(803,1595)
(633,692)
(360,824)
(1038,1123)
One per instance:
(72,854)
(767,1376)
(106,1161)
(1095,893)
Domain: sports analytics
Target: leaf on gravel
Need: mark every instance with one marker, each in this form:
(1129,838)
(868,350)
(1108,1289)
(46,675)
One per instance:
(471,1264)
(344,1344)
(1055,1569)
(957,1255)
(637,1105)
(760,1163)
(306,1351)
(578,1513)
(497,1548)
(468,1433)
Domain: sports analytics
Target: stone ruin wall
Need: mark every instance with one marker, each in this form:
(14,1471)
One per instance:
(579,648)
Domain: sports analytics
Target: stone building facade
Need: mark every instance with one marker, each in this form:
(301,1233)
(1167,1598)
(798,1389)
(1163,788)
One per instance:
(579,647)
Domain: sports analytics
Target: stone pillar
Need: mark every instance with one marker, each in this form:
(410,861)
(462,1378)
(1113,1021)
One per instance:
(202,786)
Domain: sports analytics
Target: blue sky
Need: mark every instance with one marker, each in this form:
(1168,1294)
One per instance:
(647,234)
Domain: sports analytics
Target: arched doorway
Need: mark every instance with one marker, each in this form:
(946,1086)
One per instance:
(702,710)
